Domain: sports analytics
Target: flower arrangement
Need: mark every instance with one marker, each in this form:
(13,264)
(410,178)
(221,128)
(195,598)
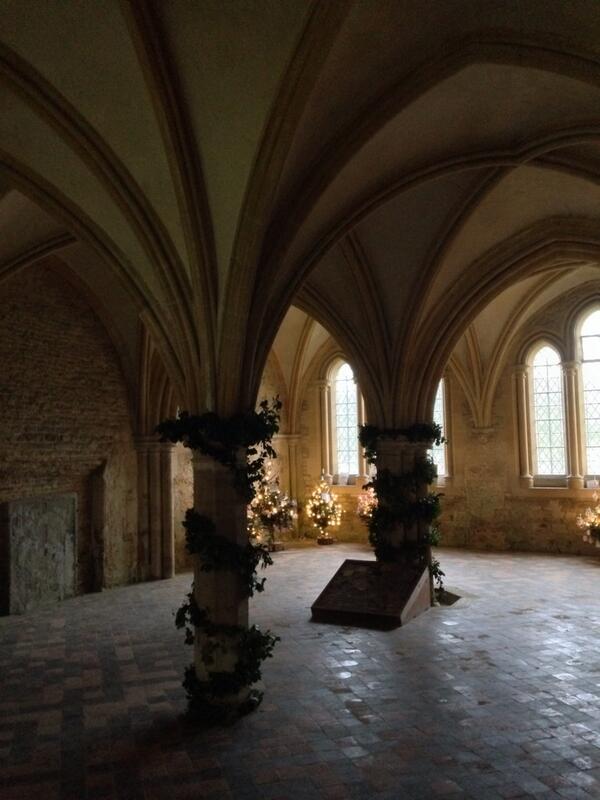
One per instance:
(366,503)
(590,522)
(324,511)
(270,509)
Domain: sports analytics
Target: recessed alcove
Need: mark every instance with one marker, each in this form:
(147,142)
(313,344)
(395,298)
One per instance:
(38,546)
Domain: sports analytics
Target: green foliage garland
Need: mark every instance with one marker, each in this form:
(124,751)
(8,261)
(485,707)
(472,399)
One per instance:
(400,501)
(429,432)
(203,697)
(222,440)
(218,553)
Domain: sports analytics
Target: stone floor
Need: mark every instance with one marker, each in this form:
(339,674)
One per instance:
(494,697)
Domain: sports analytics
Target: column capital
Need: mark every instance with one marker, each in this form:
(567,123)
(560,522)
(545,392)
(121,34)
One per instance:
(291,438)
(146,444)
(520,370)
(570,366)
(323,384)
(391,444)
(207,464)
(484,434)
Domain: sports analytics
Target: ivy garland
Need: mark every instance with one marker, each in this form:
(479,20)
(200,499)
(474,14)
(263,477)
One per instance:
(418,432)
(218,553)
(400,501)
(222,440)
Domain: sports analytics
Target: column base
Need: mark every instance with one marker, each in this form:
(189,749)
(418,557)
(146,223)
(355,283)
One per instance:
(575,482)
(206,710)
(323,539)
(526,481)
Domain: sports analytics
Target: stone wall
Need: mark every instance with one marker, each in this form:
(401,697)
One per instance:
(64,414)
(272,385)
(483,504)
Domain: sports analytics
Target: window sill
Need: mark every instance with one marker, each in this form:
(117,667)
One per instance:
(344,487)
(550,482)
(536,492)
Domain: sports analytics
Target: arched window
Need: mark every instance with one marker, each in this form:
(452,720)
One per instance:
(590,373)
(548,417)
(345,420)
(438,451)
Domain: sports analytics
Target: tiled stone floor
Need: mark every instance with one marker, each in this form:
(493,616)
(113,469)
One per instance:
(495,697)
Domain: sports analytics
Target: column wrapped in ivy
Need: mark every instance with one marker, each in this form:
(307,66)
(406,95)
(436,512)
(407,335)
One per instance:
(229,458)
(400,527)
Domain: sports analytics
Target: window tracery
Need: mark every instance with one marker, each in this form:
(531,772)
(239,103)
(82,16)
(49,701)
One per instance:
(548,420)
(558,408)
(590,376)
(345,421)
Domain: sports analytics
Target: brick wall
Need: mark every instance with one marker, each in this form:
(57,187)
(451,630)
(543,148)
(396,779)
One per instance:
(63,412)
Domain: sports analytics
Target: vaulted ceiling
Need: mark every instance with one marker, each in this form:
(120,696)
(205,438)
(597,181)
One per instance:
(390,167)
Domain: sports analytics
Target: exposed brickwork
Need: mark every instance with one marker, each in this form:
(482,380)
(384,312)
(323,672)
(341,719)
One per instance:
(63,411)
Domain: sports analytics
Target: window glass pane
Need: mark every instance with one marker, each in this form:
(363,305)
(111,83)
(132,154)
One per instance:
(591,404)
(346,420)
(548,413)
(590,346)
(591,324)
(590,375)
(438,452)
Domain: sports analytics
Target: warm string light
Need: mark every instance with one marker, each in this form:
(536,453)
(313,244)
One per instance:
(323,509)
(270,508)
(590,522)
(366,504)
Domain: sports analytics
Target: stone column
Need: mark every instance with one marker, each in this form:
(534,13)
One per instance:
(362,463)
(143,549)
(325,411)
(155,511)
(156,544)
(575,467)
(286,445)
(294,443)
(166,493)
(520,377)
(399,457)
(219,592)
